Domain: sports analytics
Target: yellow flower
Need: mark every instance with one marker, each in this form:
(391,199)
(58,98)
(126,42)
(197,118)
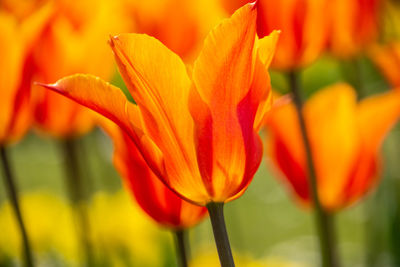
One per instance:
(119,226)
(49,224)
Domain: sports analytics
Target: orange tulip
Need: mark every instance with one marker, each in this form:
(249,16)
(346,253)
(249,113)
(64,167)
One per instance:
(354,24)
(303,25)
(195,127)
(15,43)
(180,25)
(387,58)
(73,40)
(157,200)
(345,138)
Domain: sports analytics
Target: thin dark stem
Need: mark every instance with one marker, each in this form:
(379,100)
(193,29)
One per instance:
(77,194)
(324,220)
(181,248)
(216,211)
(13,195)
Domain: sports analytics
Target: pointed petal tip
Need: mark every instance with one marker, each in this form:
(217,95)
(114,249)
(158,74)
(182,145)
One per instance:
(113,39)
(52,86)
(253,4)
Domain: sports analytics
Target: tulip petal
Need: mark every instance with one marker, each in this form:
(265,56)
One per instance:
(222,105)
(376,116)
(331,119)
(223,70)
(267,47)
(159,83)
(286,148)
(110,102)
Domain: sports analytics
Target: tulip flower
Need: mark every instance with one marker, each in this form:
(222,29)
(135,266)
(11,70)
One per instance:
(179,24)
(210,103)
(354,24)
(157,200)
(303,25)
(387,59)
(195,127)
(345,137)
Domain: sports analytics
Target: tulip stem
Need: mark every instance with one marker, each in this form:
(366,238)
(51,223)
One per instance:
(181,247)
(77,195)
(216,211)
(13,195)
(324,220)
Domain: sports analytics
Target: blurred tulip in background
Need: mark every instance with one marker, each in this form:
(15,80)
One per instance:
(180,25)
(16,44)
(353,25)
(345,139)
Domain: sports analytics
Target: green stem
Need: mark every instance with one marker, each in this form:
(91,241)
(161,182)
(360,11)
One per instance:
(324,220)
(13,195)
(181,248)
(216,211)
(77,194)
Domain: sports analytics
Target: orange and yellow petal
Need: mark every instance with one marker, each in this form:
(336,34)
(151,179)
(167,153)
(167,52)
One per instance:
(222,104)
(162,98)
(109,101)
(331,120)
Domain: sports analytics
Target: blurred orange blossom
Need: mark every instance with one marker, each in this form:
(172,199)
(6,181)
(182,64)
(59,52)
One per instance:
(195,127)
(157,200)
(15,43)
(180,25)
(354,24)
(73,39)
(345,138)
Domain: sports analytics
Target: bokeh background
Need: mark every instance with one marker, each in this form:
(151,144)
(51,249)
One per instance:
(266,226)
